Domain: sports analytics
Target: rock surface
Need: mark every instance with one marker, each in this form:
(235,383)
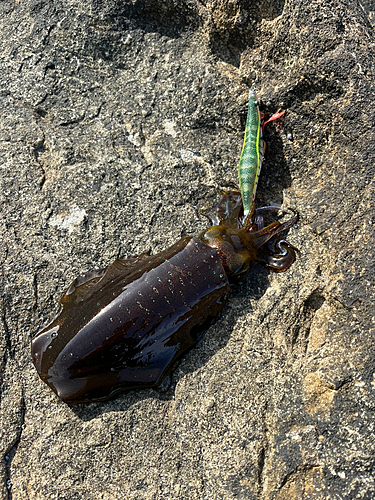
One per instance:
(118,117)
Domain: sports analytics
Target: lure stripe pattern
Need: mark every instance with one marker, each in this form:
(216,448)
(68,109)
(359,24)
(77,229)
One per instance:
(251,155)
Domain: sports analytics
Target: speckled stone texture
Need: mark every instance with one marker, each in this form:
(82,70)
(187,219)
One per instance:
(117,118)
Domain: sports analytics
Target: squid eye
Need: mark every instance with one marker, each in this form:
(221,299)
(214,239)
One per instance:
(214,233)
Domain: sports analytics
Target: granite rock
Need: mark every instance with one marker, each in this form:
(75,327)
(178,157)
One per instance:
(118,118)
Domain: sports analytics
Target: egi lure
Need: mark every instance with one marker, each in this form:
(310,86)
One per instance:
(252,152)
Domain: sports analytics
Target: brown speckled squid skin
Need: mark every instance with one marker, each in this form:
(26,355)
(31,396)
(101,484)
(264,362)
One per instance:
(125,330)
(124,327)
